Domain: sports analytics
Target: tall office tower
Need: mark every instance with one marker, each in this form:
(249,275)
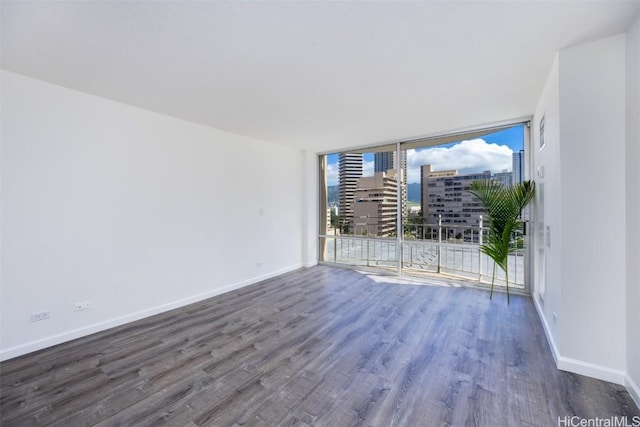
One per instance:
(349,172)
(518,166)
(382,162)
(402,167)
(375,207)
(385,161)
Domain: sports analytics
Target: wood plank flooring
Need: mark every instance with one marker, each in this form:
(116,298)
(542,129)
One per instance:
(317,347)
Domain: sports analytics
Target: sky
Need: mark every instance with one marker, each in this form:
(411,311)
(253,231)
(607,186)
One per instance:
(491,152)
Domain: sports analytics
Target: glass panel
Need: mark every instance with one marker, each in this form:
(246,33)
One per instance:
(361,194)
(442,223)
(361,208)
(444,226)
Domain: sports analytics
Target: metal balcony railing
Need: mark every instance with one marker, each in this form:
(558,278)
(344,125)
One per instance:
(426,249)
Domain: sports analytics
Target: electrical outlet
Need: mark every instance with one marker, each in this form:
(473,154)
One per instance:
(84,305)
(259,264)
(40,315)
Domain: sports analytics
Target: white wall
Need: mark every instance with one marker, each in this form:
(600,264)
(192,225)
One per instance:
(548,186)
(633,209)
(585,178)
(592,135)
(132,210)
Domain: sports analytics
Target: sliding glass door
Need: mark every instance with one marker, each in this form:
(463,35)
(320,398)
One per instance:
(359,209)
(406,207)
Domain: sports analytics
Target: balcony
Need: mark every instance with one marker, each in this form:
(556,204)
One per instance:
(427,250)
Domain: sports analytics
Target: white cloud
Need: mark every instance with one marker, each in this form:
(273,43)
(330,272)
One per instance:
(332,174)
(367,168)
(467,157)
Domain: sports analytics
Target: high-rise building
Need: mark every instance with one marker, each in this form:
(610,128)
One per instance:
(504,177)
(426,172)
(385,161)
(446,194)
(382,162)
(349,172)
(518,166)
(375,204)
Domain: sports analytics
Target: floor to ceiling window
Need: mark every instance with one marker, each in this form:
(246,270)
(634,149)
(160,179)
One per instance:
(405,207)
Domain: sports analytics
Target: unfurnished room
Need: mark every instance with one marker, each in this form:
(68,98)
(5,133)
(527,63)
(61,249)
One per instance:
(320,213)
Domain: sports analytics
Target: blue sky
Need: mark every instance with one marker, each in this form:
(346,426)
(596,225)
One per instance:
(512,138)
(490,152)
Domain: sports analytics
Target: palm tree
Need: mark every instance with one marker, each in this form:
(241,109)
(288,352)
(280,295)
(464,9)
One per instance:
(503,206)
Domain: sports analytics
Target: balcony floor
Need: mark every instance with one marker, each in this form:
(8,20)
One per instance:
(322,346)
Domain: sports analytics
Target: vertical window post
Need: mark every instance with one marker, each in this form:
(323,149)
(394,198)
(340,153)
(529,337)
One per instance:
(439,239)
(399,225)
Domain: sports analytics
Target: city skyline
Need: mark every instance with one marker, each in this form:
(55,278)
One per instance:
(491,152)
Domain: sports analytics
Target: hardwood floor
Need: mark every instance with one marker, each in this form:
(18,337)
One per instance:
(317,347)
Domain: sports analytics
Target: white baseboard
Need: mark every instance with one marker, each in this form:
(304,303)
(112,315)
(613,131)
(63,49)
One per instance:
(633,389)
(60,338)
(578,366)
(547,330)
(591,370)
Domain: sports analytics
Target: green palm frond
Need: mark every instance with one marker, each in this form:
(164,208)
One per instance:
(503,206)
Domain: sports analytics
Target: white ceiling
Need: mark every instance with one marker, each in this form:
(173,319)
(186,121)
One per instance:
(315,75)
